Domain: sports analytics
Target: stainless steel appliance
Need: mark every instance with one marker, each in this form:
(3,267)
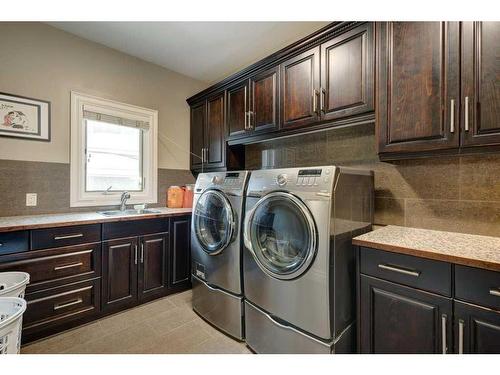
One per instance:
(216,249)
(299,267)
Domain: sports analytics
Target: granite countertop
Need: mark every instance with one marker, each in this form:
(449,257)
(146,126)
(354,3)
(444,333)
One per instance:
(13,223)
(465,249)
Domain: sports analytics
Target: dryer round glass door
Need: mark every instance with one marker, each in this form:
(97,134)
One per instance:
(213,221)
(281,234)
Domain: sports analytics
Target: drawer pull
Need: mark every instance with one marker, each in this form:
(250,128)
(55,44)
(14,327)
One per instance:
(78,235)
(68,304)
(495,292)
(57,268)
(399,270)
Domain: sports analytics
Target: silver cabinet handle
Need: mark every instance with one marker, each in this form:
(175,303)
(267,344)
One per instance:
(461,336)
(78,235)
(142,252)
(57,268)
(443,333)
(323,100)
(495,292)
(206,154)
(204,158)
(246,107)
(315,103)
(466,114)
(399,270)
(135,255)
(250,113)
(68,304)
(452,116)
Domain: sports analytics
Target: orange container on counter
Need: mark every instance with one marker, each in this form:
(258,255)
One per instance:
(188,196)
(175,197)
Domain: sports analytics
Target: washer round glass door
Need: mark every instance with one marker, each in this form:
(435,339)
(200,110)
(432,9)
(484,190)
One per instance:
(213,222)
(281,234)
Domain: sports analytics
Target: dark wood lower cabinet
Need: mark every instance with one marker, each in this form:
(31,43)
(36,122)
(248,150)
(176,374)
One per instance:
(180,258)
(398,319)
(153,266)
(476,329)
(404,319)
(119,287)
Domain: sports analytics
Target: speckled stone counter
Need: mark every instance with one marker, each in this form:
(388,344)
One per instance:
(13,223)
(466,249)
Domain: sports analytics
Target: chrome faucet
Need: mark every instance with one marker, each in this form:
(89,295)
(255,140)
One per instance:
(123,200)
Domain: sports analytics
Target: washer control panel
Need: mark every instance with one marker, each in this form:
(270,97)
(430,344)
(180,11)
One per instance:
(310,177)
(233,180)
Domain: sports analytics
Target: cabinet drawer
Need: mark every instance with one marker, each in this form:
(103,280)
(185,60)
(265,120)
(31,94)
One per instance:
(478,286)
(53,307)
(122,229)
(425,274)
(50,265)
(65,236)
(14,242)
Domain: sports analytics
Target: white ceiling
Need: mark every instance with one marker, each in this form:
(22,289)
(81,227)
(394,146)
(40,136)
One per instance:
(207,51)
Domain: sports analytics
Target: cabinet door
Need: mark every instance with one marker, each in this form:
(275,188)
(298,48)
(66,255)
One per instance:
(198,123)
(237,109)
(417,86)
(180,259)
(397,319)
(477,330)
(300,89)
(264,99)
(347,72)
(214,142)
(153,266)
(119,288)
(480,83)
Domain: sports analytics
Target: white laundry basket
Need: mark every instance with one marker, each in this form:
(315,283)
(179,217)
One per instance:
(13,284)
(11,322)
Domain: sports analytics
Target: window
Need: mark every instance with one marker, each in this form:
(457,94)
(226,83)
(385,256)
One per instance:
(113,149)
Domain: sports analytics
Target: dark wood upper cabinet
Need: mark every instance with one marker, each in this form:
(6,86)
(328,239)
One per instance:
(153,266)
(417,86)
(119,288)
(198,124)
(237,109)
(214,140)
(396,319)
(300,84)
(476,329)
(264,100)
(347,73)
(480,83)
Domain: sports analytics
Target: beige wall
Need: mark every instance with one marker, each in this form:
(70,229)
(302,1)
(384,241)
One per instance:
(39,61)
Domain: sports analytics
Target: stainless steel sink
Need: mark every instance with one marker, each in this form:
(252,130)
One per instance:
(128,212)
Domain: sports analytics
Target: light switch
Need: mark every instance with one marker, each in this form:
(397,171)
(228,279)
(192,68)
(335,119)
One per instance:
(31,199)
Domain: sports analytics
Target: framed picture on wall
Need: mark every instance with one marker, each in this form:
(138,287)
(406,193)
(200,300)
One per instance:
(25,118)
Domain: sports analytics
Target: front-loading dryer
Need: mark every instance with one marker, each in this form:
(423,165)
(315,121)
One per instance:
(216,249)
(299,266)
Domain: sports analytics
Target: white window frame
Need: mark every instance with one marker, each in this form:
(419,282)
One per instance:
(81,198)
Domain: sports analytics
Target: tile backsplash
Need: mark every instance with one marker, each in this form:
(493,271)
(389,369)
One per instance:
(51,182)
(458,193)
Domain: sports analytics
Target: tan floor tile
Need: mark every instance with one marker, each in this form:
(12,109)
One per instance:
(180,340)
(136,334)
(167,321)
(60,343)
(168,325)
(182,299)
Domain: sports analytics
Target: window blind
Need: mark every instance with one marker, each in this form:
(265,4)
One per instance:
(96,116)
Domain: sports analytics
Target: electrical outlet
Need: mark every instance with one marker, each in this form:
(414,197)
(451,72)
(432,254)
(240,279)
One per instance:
(31,199)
